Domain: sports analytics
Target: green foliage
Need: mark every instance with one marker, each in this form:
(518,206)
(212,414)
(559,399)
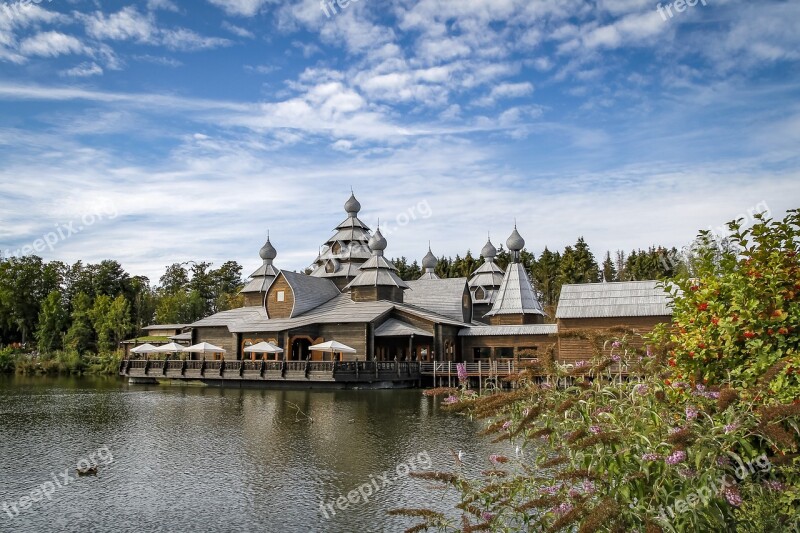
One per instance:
(684,443)
(80,335)
(180,308)
(738,318)
(53,320)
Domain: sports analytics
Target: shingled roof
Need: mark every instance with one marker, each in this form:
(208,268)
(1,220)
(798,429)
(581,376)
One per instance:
(515,295)
(617,299)
(442,296)
(309,292)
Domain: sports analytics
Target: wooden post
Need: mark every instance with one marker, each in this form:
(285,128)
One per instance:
(480,376)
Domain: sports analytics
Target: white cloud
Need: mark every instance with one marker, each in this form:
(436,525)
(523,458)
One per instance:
(84,70)
(238,30)
(51,44)
(244,8)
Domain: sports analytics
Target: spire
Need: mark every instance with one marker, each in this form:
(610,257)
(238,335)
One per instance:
(489,252)
(429,263)
(377,278)
(352,206)
(268,252)
(377,243)
(515,243)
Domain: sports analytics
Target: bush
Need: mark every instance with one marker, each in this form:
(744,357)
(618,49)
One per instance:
(704,435)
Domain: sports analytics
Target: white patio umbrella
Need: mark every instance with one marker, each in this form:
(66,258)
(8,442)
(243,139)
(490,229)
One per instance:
(263,347)
(332,347)
(144,349)
(204,348)
(170,348)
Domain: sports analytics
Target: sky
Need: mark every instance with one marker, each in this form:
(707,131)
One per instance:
(160,131)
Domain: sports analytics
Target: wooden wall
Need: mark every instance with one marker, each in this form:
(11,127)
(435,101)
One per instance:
(540,343)
(253,299)
(276,309)
(218,336)
(571,349)
(515,320)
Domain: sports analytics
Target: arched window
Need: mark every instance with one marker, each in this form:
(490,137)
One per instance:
(336,249)
(330,267)
(480,294)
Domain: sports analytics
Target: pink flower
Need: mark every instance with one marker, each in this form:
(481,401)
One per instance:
(616,358)
(641,389)
(773,485)
(451,399)
(552,490)
(651,457)
(507,424)
(461,368)
(562,509)
(487,516)
(677,457)
(616,344)
(733,496)
(595,429)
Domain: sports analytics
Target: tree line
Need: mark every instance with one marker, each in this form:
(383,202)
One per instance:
(92,307)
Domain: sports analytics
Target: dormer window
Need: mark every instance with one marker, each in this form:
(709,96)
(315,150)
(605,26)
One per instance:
(480,294)
(280,296)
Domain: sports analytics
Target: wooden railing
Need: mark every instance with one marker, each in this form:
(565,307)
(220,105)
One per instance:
(481,368)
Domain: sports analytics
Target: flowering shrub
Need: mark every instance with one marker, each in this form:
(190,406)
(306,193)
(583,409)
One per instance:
(681,442)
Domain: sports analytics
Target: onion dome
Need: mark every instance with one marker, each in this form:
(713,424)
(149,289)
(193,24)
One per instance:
(352,206)
(515,242)
(489,252)
(377,243)
(268,252)
(429,261)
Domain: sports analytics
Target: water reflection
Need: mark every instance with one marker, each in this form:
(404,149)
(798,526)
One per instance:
(208,459)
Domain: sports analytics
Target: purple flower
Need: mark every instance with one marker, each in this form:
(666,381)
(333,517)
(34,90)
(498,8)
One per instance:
(462,372)
(677,457)
(552,490)
(588,487)
(723,460)
(680,385)
(507,424)
(672,431)
(733,496)
(616,358)
(562,509)
(700,387)
(691,412)
(595,429)
(616,344)
(730,428)
(649,353)
(451,399)
(574,493)
(651,457)
(581,364)
(486,515)
(773,485)
(600,410)
(493,458)
(687,472)
(641,389)
(546,386)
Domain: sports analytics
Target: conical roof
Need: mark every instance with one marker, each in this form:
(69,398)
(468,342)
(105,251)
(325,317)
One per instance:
(516,295)
(377,270)
(347,249)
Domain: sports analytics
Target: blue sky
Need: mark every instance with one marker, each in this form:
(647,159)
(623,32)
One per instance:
(160,131)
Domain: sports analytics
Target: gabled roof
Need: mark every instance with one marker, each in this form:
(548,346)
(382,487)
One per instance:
(441,296)
(396,328)
(232,316)
(530,329)
(309,292)
(616,299)
(516,295)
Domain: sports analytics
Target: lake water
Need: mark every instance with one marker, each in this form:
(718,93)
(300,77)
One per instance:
(209,459)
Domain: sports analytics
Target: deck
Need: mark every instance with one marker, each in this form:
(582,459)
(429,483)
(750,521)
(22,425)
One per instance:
(338,374)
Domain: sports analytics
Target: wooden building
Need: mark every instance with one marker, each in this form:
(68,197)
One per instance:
(354,296)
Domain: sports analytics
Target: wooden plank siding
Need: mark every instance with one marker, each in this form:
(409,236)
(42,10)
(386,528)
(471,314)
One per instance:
(539,343)
(218,336)
(276,309)
(572,348)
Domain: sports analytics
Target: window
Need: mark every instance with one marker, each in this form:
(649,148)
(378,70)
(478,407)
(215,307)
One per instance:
(482,353)
(505,353)
(281,296)
(480,294)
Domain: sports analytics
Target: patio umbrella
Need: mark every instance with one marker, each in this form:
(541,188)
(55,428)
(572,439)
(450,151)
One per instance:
(332,347)
(263,347)
(204,348)
(170,348)
(144,349)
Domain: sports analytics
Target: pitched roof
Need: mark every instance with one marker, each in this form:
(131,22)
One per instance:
(227,318)
(441,296)
(530,329)
(309,292)
(396,328)
(616,299)
(515,295)
(377,271)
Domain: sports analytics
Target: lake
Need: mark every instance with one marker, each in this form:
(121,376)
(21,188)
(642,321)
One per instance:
(211,459)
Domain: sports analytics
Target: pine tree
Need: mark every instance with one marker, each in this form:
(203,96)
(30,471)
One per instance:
(609,272)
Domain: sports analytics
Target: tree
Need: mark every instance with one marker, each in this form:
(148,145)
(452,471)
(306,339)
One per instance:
(99,316)
(578,264)
(80,335)
(119,319)
(180,308)
(53,321)
(545,274)
(24,284)
(609,271)
(175,279)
